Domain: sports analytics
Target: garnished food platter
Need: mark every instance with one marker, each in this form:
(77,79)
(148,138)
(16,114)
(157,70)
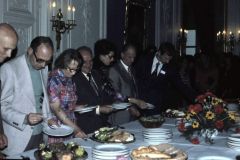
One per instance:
(60,150)
(112,135)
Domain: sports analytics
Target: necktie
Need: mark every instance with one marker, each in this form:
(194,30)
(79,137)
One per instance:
(155,72)
(133,82)
(92,83)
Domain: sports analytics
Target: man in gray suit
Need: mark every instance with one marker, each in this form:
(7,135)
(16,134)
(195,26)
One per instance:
(8,42)
(24,98)
(124,82)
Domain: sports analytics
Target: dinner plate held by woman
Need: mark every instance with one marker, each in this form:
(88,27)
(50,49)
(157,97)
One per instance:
(58,131)
(85,109)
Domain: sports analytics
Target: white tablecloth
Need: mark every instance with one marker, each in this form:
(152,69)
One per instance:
(219,148)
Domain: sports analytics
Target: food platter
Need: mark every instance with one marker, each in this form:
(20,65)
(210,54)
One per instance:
(154,121)
(161,151)
(112,135)
(57,151)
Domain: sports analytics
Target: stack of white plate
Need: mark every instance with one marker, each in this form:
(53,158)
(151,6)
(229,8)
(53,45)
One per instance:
(234,141)
(110,151)
(157,135)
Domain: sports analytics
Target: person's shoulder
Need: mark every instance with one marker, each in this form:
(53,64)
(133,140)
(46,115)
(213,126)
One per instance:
(13,63)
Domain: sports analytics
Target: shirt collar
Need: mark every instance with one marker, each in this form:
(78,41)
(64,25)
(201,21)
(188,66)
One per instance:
(124,65)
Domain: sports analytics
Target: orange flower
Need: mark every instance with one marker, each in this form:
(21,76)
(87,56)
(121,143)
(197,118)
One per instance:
(210,115)
(195,124)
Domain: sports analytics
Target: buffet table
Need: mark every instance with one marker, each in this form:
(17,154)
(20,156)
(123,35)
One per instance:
(219,148)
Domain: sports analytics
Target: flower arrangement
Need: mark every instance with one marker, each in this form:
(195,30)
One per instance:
(205,118)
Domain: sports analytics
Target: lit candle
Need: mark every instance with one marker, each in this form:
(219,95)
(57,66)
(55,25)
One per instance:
(53,8)
(73,10)
(224,34)
(69,12)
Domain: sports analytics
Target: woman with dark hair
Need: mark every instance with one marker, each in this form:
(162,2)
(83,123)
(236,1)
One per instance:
(62,91)
(105,52)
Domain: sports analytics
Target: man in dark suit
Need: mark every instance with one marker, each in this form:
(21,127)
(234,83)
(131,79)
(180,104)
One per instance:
(88,83)
(154,73)
(123,81)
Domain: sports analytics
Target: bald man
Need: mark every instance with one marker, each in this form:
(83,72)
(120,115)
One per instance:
(8,42)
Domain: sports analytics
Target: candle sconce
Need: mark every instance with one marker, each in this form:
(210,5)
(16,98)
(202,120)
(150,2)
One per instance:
(227,41)
(181,41)
(60,26)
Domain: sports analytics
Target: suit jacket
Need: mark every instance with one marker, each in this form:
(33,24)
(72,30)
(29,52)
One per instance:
(122,81)
(125,84)
(90,121)
(153,89)
(1,125)
(17,101)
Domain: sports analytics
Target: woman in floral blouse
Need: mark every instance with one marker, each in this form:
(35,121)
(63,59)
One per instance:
(62,91)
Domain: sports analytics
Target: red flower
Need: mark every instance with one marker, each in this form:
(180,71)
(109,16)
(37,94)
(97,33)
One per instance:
(237,130)
(181,127)
(196,108)
(200,98)
(210,94)
(218,109)
(195,140)
(219,124)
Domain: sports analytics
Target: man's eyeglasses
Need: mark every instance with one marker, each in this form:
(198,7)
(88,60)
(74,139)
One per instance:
(72,70)
(39,60)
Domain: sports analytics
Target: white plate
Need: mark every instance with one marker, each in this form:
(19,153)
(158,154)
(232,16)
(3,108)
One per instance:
(111,148)
(110,157)
(214,158)
(86,109)
(121,105)
(63,130)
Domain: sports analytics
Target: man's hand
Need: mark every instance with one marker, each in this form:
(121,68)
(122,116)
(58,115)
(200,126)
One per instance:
(34,118)
(133,111)
(105,109)
(141,104)
(3,141)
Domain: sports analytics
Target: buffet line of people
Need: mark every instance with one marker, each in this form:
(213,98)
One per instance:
(35,91)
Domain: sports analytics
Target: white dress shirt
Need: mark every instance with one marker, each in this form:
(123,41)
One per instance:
(155,61)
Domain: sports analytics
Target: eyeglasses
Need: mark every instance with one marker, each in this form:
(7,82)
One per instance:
(110,56)
(39,60)
(72,70)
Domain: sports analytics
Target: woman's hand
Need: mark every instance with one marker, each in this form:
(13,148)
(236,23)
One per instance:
(80,106)
(133,111)
(80,134)
(52,122)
